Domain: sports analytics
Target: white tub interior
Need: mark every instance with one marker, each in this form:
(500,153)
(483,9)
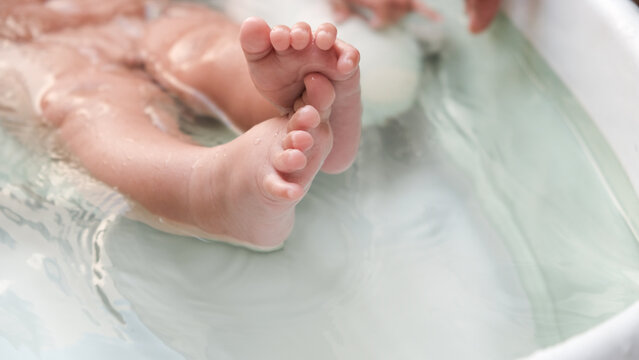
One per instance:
(593,46)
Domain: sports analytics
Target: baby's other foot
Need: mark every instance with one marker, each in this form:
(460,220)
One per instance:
(256,180)
(281,57)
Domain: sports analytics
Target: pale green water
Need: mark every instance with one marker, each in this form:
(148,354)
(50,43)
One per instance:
(483,224)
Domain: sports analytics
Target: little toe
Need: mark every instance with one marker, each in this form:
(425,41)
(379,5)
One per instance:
(301,36)
(279,189)
(280,37)
(348,57)
(289,161)
(305,118)
(299,140)
(325,36)
(254,38)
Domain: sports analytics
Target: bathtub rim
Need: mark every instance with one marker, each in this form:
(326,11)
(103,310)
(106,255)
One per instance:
(564,32)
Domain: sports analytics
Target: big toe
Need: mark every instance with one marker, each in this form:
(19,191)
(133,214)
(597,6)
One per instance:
(255,38)
(320,92)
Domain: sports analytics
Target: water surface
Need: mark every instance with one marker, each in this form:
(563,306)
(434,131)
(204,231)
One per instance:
(484,223)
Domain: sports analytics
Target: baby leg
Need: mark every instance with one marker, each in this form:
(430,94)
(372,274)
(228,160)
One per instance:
(194,52)
(122,129)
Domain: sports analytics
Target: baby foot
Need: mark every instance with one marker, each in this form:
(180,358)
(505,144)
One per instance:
(281,57)
(246,191)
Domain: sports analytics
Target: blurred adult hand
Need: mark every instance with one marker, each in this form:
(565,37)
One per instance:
(481,13)
(385,12)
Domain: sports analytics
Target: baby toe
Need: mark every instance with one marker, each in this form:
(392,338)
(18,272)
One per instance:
(299,140)
(300,36)
(289,161)
(348,57)
(320,92)
(254,37)
(279,189)
(325,36)
(305,118)
(280,37)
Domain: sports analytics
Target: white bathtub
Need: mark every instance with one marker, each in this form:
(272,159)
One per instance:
(593,46)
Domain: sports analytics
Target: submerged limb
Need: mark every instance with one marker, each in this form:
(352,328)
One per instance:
(193,51)
(123,130)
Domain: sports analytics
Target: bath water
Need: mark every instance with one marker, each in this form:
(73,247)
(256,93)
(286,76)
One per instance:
(487,222)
